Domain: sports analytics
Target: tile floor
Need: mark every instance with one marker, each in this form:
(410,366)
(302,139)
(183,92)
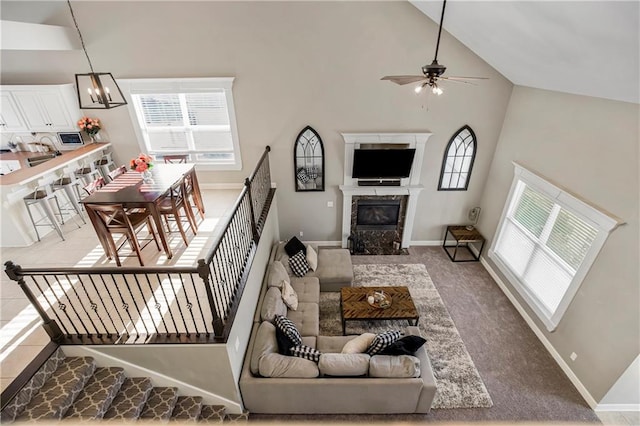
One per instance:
(22,337)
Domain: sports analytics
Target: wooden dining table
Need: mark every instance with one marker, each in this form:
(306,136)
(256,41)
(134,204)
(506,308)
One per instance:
(131,191)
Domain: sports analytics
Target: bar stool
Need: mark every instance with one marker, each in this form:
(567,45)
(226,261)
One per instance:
(70,184)
(42,197)
(87,173)
(105,165)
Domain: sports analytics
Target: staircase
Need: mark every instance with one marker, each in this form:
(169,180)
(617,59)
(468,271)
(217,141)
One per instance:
(74,388)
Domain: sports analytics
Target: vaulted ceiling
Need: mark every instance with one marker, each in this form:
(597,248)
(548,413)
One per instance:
(582,47)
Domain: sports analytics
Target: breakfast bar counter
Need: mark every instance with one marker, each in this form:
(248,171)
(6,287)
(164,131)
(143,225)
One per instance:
(16,228)
(27,174)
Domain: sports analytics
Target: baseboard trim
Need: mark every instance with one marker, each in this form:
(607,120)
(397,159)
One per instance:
(158,379)
(325,243)
(231,185)
(618,407)
(425,243)
(547,344)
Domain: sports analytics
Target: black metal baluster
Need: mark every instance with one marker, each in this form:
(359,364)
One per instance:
(173,320)
(189,307)
(222,283)
(51,307)
(175,297)
(206,273)
(124,324)
(135,304)
(61,305)
(145,304)
(195,289)
(94,307)
(157,305)
(115,329)
(73,287)
(217,295)
(125,306)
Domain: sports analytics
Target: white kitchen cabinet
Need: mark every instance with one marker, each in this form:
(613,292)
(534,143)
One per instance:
(10,118)
(51,108)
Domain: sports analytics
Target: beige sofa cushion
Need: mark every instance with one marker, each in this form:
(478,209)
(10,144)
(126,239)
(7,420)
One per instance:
(276,365)
(277,274)
(344,364)
(289,296)
(332,344)
(272,305)
(265,343)
(359,344)
(306,318)
(307,288)
(394,366)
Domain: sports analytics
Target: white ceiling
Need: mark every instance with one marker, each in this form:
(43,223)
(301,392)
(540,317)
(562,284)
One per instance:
(582,47)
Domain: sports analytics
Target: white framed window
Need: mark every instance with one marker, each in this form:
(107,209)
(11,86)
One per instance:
(193,116)
(545,243)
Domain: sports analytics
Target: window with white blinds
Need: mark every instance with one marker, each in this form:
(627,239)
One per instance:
(187,116)
(546,242)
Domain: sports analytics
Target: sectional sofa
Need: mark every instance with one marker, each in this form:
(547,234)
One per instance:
(340,383)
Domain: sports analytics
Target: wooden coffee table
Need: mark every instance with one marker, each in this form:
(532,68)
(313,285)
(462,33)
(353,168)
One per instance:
(354,305)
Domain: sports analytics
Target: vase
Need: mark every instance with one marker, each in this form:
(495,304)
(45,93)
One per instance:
(95,137)
(147,177)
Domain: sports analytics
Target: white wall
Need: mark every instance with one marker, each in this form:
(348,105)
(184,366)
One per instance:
(295,64)
(589,146)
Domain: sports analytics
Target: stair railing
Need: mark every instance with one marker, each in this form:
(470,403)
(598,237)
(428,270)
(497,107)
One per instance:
(139,305)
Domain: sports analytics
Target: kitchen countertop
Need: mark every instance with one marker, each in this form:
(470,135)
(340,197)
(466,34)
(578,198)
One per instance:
(27,174)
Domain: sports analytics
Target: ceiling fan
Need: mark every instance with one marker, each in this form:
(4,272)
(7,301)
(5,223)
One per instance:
(431,73)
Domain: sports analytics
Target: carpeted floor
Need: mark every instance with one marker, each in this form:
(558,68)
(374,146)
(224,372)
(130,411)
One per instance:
(524,381)
(458,381)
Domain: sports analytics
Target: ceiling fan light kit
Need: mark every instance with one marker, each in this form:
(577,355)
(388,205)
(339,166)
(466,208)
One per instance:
(432,72)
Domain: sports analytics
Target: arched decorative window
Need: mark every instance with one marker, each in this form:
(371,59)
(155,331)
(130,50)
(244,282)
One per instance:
(308,160)
(458,161)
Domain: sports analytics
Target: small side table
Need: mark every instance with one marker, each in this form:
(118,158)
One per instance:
(463,238)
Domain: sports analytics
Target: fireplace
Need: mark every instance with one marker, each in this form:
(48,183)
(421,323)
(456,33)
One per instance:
(377,215)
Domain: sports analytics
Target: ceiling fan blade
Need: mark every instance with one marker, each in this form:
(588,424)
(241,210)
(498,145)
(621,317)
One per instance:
(456,81)
(466,78)
(404,79)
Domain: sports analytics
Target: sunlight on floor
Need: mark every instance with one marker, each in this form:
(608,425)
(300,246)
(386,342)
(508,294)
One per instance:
(17,330)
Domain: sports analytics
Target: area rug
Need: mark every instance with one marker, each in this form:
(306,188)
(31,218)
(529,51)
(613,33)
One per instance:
(458,381)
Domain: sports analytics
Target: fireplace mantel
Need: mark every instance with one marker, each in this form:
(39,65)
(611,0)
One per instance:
(409,186)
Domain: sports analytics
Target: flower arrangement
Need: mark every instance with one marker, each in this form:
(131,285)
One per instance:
(141,163)
(89,125)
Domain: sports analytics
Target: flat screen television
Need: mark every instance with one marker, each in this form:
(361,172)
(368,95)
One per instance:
(382,163)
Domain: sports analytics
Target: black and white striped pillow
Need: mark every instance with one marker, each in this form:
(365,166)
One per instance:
(298,263)
(382,340)
(289,329)
(306,352)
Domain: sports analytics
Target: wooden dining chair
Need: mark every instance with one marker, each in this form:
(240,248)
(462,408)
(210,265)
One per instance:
(110,219)
(193,198)
(117,172)
(176,159)
(172,203)
(94,186)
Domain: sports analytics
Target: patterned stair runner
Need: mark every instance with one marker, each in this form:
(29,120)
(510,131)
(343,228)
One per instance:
(212,413)
(74,389)
(160,404)
(187,409)
(130,399)
(98,394)
(58,393)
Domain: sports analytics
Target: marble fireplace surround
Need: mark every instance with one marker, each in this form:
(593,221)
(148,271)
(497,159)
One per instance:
(410,187)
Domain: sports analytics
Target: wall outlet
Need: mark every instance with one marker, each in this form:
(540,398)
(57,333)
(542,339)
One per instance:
(301,233)
(329,203)
(573,356)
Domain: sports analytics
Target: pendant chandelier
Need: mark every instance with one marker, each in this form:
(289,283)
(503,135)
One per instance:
(96,90)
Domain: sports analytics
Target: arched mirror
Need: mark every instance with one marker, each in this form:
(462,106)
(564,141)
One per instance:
(308,161)
(458,161)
